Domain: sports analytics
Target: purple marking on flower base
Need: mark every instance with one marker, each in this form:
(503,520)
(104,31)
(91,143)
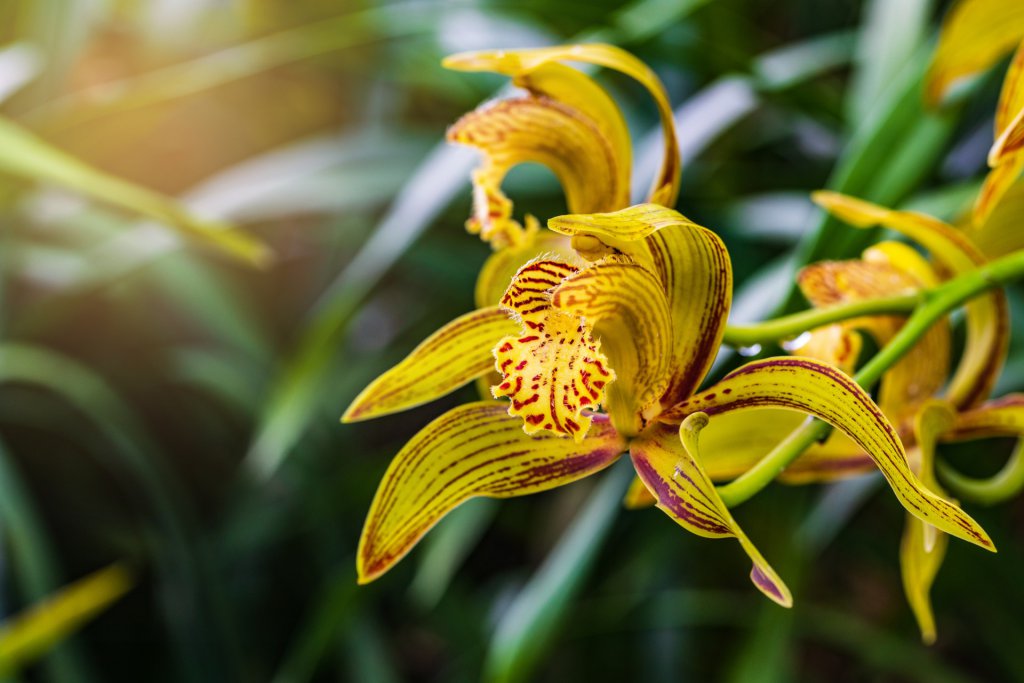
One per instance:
(765,583)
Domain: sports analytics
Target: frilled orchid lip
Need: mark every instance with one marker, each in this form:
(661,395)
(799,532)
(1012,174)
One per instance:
(565,121)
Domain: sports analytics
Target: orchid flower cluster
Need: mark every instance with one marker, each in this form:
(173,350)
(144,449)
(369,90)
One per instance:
(592,338)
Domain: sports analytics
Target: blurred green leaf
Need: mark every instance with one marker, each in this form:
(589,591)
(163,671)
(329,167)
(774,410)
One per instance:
(33,632)
(527,627)
(24,155)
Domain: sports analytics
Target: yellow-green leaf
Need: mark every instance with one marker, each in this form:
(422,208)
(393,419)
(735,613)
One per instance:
(818,389)
(31,633)
(454,355)
(473,450)
(668,462)
(26,156)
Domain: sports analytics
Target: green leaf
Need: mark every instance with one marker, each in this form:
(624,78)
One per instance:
(26,156)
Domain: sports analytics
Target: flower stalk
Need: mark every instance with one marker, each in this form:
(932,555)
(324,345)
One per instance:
(934,305)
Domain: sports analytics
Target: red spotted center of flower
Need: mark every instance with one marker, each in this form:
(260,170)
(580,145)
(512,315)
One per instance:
(555,369)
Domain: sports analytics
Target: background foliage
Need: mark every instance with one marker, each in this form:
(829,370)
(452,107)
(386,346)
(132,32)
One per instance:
(169,405)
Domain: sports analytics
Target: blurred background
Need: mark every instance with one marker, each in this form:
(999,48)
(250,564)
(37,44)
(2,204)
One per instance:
(171,400)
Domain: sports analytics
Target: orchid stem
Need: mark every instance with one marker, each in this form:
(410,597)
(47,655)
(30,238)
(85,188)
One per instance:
(791,326)
(933,306)
(1002,486)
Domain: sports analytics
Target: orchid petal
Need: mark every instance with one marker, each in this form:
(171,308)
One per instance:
(554,369)
(454,355)
(997,183)
(887,269)
(473,450)
(1001,234)
(666,185)
(734,442)
(975,35)
(530,129)
(1000,417)
(987,316)
(638,497)
(627,305)
(694,269)
(502,265)
(669,465)
(1009,136)
(922,548)
(821,390)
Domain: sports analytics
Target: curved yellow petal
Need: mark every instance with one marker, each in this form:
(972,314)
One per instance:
(997,183)
(666,185)
(1000,417)
(887,269)
(987,316)
(1009,123)
(473,450)
(1000,234)
(638,497)
(454,355)
(735,441)
(922,548)
(693,266)
(669,465)
(531,129)
(567,85)
(625,303)
(554,369)
(502,265)
(836,344)
(821,390)
(975,35)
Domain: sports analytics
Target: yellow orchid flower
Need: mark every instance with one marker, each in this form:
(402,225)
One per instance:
(598,333)
(909,389)
(631,326)
(566,121)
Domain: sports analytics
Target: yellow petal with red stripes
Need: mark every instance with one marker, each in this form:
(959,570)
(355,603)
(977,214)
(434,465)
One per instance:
(554,369)
(540,130)
(669,464)
(625,303)
(694,269)
(987,316)
(502,265)
(828,394)
(975,35)
(666,184)
(922,548)
(454,355)
(1009,134)
(473,450)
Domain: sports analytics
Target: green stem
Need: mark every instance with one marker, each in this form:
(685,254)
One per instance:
(1002,486)
(794,325)
(936,304)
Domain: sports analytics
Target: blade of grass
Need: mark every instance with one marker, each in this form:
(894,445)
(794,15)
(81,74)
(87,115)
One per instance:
(190,588)
(32,633)
(526,629)
(26,156)
(34,562)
